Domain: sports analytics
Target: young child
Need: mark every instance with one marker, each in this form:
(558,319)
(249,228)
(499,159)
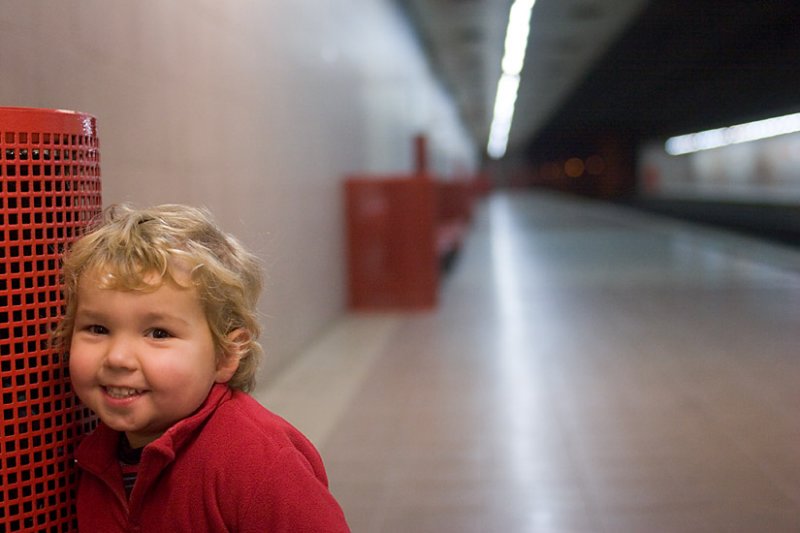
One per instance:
(161,330)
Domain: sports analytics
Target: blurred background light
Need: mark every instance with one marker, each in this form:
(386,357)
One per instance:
(740,133)
(516,42)
(574,167)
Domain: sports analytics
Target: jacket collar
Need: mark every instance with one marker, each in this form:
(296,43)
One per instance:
(98,451)
(181,432)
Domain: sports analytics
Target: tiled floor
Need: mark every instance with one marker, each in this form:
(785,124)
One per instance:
(590,369)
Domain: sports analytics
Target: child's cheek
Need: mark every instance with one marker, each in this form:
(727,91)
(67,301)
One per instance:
(79,370)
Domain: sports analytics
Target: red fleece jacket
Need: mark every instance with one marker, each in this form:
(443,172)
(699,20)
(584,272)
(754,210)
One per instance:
(231,466)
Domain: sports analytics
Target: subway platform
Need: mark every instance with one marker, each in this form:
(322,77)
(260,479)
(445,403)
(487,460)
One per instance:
(590,369)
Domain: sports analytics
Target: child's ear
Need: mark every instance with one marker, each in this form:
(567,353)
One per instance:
(228,362)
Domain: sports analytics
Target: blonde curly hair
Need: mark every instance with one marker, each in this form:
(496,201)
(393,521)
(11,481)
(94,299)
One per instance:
(133,244)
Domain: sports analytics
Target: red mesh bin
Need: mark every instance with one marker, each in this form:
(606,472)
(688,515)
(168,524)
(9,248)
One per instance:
(49,191)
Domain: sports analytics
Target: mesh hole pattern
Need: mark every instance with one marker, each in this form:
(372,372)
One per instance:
(49,192)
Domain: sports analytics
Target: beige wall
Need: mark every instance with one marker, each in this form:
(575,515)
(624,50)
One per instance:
(253,108)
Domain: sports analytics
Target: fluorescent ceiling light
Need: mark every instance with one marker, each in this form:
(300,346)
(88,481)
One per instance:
(516,42)
(741,133)
(503,113)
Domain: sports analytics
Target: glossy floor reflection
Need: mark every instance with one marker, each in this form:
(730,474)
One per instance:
(590,369)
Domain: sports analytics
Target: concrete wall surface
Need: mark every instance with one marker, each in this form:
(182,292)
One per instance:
(255,109)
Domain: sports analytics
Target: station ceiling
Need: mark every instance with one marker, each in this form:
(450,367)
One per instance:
(641,68)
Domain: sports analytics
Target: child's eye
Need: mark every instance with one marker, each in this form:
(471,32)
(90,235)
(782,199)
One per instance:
(158,333)
(97,329)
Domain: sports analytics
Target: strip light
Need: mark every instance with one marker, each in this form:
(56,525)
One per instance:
(741,133)
(516,42)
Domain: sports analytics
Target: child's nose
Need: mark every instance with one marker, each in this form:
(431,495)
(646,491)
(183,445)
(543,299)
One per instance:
(121,354)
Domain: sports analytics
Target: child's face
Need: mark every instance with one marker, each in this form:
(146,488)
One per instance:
(142,360)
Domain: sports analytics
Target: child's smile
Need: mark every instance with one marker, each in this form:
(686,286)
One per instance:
(142,360)
(122,393)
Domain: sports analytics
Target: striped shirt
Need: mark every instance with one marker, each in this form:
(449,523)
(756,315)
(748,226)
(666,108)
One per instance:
(129,462)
